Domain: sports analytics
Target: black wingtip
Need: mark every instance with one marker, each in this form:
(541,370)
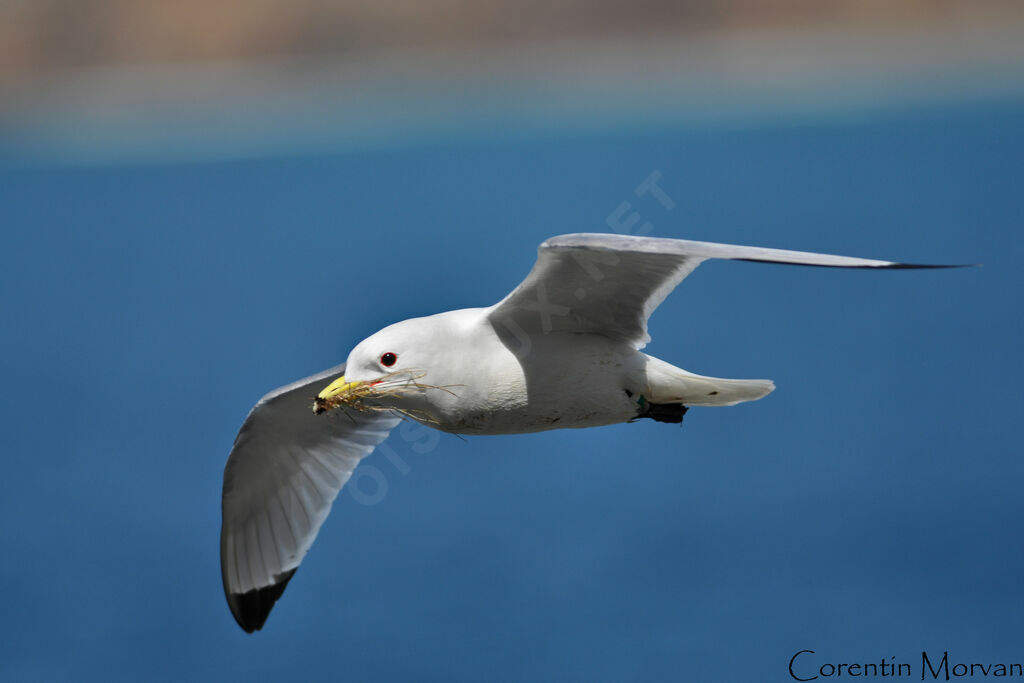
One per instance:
(252,608)
(883,266)
(921,266)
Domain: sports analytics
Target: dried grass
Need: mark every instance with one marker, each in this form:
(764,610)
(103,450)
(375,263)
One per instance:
(393,386)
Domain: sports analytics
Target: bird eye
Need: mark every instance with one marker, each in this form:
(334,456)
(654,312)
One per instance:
(388,359)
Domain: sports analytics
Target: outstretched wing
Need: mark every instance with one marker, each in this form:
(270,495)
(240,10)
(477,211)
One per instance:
(610,284)
(284,471)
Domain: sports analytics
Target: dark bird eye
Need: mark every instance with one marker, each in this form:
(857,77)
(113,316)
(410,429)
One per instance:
(388,359)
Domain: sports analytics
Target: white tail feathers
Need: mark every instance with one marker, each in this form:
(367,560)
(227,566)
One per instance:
(669,384)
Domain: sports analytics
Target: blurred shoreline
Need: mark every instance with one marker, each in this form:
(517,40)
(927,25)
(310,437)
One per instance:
(38,37)
(229,108)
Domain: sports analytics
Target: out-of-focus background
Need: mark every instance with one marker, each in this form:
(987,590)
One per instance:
(200,201)
(116,79)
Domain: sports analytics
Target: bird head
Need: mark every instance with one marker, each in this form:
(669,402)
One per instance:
(381,370)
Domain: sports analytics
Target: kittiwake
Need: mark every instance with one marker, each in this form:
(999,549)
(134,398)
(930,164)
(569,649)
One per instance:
(563,349)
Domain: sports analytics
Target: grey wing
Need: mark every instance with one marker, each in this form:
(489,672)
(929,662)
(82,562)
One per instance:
(610,284)
(285,469)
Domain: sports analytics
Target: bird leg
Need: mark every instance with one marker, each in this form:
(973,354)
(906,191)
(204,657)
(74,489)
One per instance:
(660,412)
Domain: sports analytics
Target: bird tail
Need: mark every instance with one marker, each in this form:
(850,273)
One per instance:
(669,384)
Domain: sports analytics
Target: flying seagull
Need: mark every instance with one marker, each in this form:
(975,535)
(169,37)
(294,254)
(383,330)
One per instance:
(563,349)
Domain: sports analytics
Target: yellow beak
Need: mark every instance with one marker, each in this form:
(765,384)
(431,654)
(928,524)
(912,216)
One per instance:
(337,387)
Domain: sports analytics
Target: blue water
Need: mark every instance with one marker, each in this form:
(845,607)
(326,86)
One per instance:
(871,508)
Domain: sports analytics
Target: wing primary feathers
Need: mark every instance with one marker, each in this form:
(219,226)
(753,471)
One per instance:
(252,608)
(589,283)
(881,266)
(274,499)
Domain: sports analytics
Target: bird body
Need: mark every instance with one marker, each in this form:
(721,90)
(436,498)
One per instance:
(562,350)
(480,384)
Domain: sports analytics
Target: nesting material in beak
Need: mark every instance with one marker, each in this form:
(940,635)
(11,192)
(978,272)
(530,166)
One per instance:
(341,392)
(338,392)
